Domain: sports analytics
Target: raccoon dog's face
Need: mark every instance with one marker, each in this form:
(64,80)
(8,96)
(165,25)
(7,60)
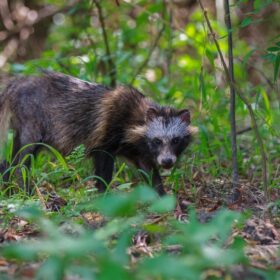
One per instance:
(167,135)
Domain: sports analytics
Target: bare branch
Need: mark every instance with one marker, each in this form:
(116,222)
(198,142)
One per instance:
(111,67)
(169,50)
(244,130)
(245,101)
(236,192)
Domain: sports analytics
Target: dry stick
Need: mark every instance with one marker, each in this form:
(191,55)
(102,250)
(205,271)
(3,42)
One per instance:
(244,130)
(41,197)
(170,51)
(245,101)
(111,67)
(236,193)
(145,62)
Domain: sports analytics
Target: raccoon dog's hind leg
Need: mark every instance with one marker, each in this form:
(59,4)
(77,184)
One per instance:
(104,166)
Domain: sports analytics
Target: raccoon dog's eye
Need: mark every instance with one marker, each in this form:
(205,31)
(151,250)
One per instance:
(157,141)
(175,140)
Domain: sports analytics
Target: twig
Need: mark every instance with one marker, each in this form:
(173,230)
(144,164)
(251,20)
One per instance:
(41,198)
(169,51)
(111,67)
(236,193)
(176,248)
(245,101)
(244,130)
(145,62)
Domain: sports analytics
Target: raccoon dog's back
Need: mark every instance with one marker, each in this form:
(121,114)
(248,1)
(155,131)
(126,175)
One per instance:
(65,112)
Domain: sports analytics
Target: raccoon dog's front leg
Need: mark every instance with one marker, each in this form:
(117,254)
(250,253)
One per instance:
(152,170)
(104,166)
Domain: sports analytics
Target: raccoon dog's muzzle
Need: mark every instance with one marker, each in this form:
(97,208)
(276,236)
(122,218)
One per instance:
(166,161)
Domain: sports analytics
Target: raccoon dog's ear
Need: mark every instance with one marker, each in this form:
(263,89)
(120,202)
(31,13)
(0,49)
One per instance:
(151,113)
(185,116)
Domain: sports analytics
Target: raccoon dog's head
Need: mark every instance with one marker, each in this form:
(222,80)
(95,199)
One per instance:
(168,134)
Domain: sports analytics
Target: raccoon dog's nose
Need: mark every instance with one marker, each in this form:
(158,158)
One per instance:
(167,163)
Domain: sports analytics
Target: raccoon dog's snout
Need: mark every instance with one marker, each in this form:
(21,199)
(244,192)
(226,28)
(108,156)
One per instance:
(166,161)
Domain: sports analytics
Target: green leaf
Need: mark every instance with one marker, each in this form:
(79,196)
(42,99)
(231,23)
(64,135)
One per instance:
(265,100)
(152,228)
(120,252)
(246,21)
(116,205)
(19,251)
(273,49)
(163,205)
(247,56)
(52,268)
(276,67)
(144,194)
(113,270)
(30,212)
(210,56)
(270,57)
(202,86)
(166,267)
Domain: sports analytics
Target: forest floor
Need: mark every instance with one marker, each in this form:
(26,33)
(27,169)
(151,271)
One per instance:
(261,231)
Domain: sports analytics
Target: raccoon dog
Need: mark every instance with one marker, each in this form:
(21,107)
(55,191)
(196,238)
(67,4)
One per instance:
(65,112)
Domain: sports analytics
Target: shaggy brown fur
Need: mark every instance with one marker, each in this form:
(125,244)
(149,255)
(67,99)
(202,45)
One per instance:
(65,112)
